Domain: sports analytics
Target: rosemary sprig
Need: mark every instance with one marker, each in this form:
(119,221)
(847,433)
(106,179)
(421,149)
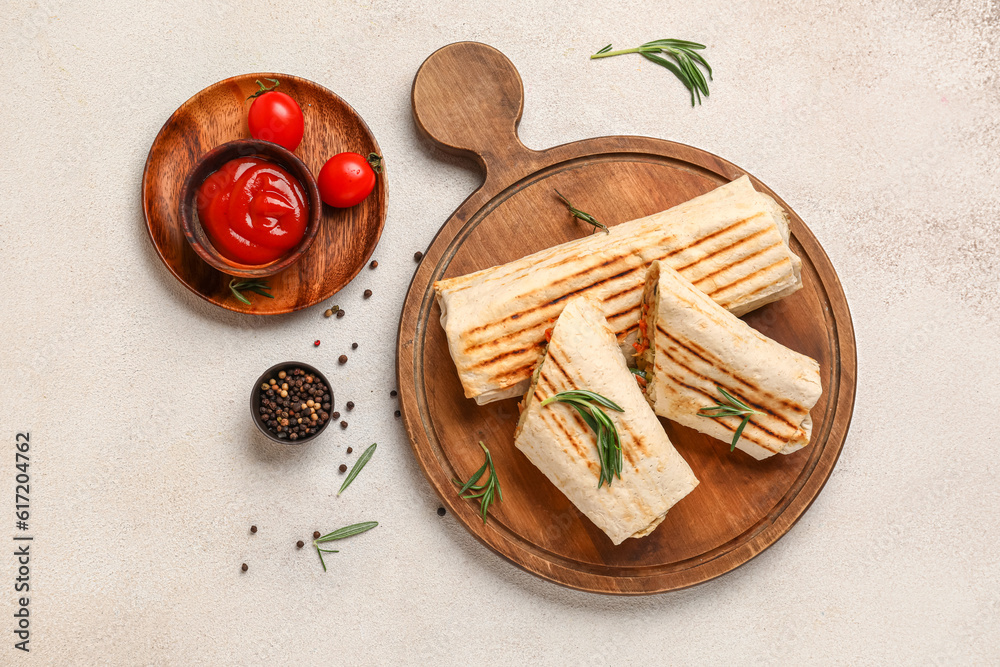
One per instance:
(358,465)
(485,491)
(685,66)
(255,286)
(339,534)
(609,443)
(582,215)
(730,406)
(264,89)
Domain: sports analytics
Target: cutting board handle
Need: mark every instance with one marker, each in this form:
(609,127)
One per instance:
(467,99)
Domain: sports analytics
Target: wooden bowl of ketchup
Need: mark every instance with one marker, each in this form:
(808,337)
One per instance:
(250,208)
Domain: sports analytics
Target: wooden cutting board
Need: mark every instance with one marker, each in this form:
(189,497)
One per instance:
(467,100)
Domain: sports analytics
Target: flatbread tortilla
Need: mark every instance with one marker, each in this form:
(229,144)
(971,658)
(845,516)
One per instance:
(732,243)
(583,354)
(696,346)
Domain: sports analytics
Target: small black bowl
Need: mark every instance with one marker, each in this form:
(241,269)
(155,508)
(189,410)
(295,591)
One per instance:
(255,397)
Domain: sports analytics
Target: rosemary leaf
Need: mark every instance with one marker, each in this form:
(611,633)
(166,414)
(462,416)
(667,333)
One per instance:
(255,286)
(339,534)
(609,445)
(346,531)
(586,217)
(685,65)
(486,490)
(729,406)
(358,465)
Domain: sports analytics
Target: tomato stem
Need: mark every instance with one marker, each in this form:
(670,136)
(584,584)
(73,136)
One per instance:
(263,88)
(375,160)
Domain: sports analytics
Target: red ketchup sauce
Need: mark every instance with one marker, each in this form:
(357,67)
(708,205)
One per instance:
(253,211)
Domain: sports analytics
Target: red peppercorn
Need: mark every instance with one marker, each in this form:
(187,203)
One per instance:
(316,343)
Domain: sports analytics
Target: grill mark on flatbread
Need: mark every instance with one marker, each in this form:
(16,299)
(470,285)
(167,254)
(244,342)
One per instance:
(623,292)
(699,352)
(783,260)
(510,353)
(749,257)
(767,412)
(613,260)
(542,307)
(724,425)
(762,409)
(711,236)
(732,245)
(574,417)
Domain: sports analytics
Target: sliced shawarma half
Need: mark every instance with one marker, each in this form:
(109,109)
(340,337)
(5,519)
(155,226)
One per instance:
(696,347)
(732,243)
(583,354)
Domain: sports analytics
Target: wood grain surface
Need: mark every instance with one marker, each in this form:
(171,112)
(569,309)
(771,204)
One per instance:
(217,114)
(467,99)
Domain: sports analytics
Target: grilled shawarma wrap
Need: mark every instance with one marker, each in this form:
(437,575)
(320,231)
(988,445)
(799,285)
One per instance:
(732,243)
(583,354)
(695,346)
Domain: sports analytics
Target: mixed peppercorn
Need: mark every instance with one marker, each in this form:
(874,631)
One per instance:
(295,405)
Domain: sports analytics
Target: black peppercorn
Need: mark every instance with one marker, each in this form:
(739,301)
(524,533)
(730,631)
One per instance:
(253,529)
(244,568)
(354,346)
(373,265)
(343,424)
(340,313)
(368,293)
(417,256)
(350,405)
(300,544)
(335,415)
(343,467)
(393,393)
(343,359)
(396,413)
(441,511)
(315,534)
(350,449)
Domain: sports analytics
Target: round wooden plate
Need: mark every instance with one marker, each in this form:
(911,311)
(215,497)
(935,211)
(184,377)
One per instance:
(217,114)
(467,99)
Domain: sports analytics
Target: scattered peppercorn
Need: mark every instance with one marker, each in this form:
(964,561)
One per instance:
(417,255)
(244,568)
(253,529)
(350,405)
(368,293)
(397,413)
(343,424)
(343,359)
(315,534)
(373,265)
(350,449)
(354,346)
(393,393)
(327,313)
(300,544)
(340,313)
(316,343)
(335,415)
(343,467)
(441,511)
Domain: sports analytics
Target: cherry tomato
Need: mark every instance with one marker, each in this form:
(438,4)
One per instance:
(347,178)
(276,117)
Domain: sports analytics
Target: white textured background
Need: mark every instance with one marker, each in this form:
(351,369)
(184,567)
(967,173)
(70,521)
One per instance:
(878,122)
